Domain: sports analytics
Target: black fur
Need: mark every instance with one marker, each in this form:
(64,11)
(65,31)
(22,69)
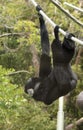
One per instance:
(59,80)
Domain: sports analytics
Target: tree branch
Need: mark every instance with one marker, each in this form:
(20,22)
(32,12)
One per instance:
(67,13)
(35,59)
(6,26)
(11,34)
(78,56)
(7,49)
(77,123)
(17,72)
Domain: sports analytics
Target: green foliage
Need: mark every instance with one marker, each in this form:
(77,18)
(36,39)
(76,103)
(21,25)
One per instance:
(29,29)
(15,50)
(71,109)
(19,111)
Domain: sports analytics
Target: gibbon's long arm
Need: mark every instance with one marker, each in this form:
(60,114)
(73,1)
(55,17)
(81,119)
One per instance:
(54,25)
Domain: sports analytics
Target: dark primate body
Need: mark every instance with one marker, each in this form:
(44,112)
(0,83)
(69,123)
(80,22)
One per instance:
(55,82)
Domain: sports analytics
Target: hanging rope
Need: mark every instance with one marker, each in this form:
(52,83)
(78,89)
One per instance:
(67,13)
(74,7)
(54,25)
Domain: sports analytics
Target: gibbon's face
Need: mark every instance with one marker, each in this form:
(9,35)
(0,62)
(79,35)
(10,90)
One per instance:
(31,86)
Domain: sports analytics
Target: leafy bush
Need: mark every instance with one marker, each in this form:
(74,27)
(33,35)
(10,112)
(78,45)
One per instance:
(18,111)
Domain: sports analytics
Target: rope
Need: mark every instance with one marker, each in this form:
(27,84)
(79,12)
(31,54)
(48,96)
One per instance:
(67,13)
(53,24)
(74,7)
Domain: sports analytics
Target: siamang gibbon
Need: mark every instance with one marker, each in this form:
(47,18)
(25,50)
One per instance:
(57,79)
